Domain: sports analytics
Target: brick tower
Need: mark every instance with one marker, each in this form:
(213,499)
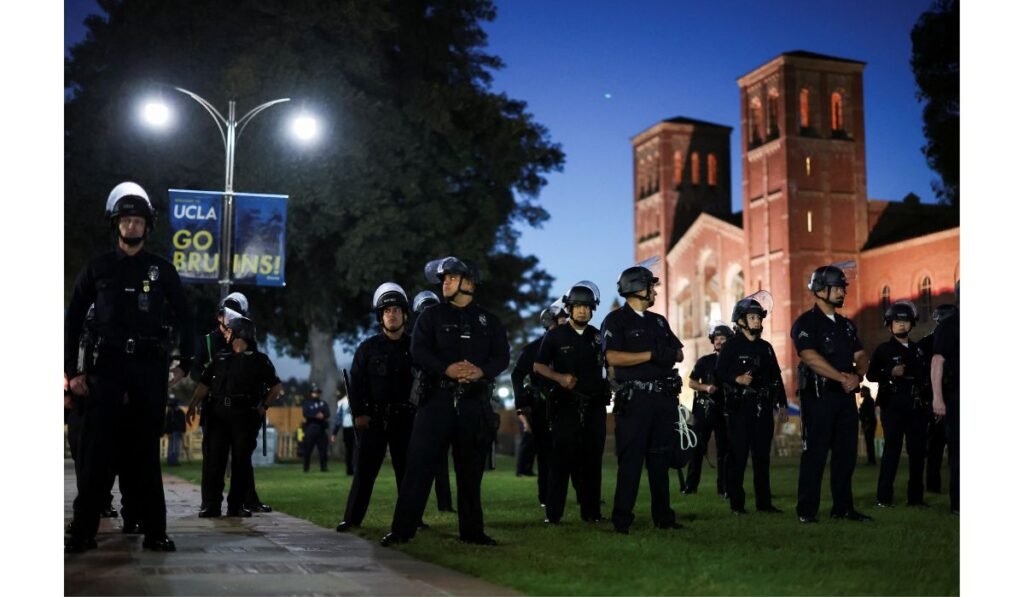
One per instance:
(804,181)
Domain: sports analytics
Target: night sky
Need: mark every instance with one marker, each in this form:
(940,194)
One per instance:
(595,73)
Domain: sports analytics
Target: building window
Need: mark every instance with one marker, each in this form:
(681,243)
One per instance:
(756,117)
(805,108)
(807,165)
(773,114)
(810,221)
(694,168)
(677,168)
(926,294)
(838,124)
(885,299)
(712,169)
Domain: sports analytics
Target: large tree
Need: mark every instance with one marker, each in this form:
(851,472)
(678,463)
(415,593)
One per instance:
(419,157)
(936,65)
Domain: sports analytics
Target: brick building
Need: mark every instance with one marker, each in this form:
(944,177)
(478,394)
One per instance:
(805,204)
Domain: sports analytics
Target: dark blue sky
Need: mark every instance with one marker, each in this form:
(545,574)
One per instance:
(597,72)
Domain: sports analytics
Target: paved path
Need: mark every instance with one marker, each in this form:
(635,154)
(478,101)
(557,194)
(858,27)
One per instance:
(268,554)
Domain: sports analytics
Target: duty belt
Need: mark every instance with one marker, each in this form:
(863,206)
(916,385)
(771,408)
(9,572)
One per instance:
(132,344)
(466,390)
(240,401)
(669,385)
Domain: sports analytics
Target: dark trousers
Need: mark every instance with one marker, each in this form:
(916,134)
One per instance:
(869,438)
(371,445)
(74,423)
(750,433)
(952,399)
(901,421)
(442,485)
(707,419)
(829,424)
(541,429)
(578,446)
(251,497)
(933,457)
(526,454)
(348,437)
(644,434)
(173,447)
(230,429)
(439,424)
(314,435)
(122,422)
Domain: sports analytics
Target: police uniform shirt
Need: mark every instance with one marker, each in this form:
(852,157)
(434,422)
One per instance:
(311,407)
(625,330)
(247,374)
(704,370)
(210,345)
(885,357)
(741,355)
(381,373)
(947,344)
(836,341)
(522,369)
(575,353)
(447,334)
(132,295)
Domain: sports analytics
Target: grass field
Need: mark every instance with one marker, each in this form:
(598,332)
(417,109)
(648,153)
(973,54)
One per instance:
(906,551)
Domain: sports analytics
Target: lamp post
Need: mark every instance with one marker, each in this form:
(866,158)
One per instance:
(231,129)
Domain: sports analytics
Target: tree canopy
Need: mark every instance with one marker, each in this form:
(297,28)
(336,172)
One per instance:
(419,157)
(936,65)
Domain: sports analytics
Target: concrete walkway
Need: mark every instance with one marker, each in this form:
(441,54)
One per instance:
(268,554)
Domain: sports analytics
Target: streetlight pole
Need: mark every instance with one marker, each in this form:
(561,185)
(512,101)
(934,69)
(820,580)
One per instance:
(230,130)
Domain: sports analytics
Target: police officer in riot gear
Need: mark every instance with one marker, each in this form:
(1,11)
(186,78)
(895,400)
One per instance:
(832,363)
(900,369)
(316,417)
(461,348)
(708,416)
(945,376)
(936,425)
(240,383)
(531,392)
(752,386)
(641,347)
(442,485)
(123,383)
(868,423)
(379,397)
(576,404)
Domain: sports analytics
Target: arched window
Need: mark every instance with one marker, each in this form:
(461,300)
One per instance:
(837,112)
(712,169)
(773,114)
(739,290)
(756,118)
(884,302)
(805,108)
(694,168)
(677,167)
(925,292)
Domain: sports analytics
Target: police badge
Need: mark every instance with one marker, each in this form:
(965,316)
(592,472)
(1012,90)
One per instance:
(154,273)
(483,319)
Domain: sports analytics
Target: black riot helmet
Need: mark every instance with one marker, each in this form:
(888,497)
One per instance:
(436,270)
(827,276)
(129,199)
(744,306)
(720,330)
(943,312)
(243,328)
(634,280)
(582,293)
(901,311)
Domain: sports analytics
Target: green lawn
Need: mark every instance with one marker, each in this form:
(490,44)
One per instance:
(906,551)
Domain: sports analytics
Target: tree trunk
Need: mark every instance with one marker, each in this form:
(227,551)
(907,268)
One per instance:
(323,366)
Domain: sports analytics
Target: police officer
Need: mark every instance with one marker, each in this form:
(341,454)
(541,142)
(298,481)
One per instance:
(752,387)
(124,383)
(868,423)
(316,417)
(945,376)
(240,384)
(442,485)
(383,415)
(936,425)
(641,347)
(899,368)
(707,415)
(531,391)
(832,363)
(576,405)
(461,347)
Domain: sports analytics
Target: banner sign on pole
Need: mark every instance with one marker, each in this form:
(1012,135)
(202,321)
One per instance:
(258,242)
(195,234)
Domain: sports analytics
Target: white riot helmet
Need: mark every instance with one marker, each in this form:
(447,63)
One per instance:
(387,295)
(129,199)
(235,301)
(423,300)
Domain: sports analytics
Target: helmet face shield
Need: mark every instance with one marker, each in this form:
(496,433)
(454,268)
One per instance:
(436,270)
(423,300)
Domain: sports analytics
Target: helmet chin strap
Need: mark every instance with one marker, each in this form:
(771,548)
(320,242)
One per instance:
(460,290)
(131,242)
(902,335)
